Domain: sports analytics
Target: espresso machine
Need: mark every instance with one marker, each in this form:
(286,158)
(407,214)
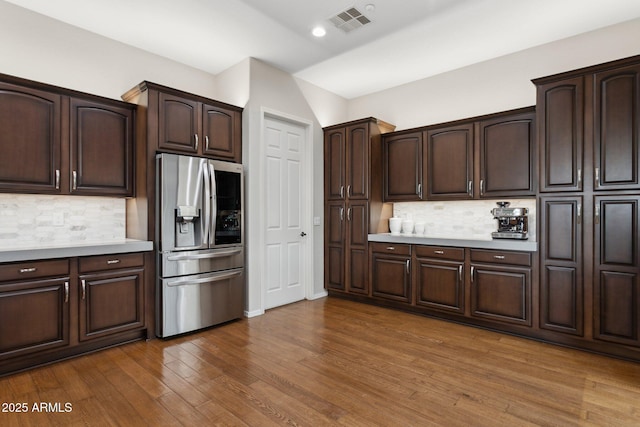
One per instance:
(512,222)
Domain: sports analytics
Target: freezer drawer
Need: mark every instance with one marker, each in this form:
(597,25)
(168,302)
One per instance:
(195,262)
(189,303)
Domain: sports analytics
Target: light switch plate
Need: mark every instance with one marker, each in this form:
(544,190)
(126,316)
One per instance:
(316,220)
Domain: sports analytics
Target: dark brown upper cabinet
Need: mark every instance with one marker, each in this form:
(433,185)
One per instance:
(449,167)
(402,167)
(188,123)
(560,108)
(491,156)
(595,107)
(58,141)
(101,148)
(30,148)
(616,140)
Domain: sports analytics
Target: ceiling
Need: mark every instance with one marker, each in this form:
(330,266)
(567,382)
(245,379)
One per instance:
(406,40)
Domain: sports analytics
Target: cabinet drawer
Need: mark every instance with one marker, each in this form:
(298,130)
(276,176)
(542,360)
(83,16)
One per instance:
(34,269)
(111,262)
(440,252)
(501,257)
(391,248)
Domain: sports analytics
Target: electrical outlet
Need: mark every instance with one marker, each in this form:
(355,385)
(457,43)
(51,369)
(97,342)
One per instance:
(316,220)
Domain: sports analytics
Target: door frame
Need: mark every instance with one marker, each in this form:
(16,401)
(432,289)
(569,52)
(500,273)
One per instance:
(307,267)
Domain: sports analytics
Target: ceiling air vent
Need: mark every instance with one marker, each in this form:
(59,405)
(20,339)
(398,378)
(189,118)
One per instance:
(349,20)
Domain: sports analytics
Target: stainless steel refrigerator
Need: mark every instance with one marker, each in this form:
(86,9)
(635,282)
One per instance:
(201,280)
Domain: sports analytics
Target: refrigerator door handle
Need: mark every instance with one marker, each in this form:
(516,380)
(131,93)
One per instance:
(205,222)
(196,281)
(219,254)
(214,205)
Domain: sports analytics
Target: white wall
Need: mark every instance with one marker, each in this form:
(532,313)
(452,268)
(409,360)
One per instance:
(39,48)
(497,85)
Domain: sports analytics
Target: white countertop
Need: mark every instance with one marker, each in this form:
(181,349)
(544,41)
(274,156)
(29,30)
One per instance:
(499,244)
(31,252)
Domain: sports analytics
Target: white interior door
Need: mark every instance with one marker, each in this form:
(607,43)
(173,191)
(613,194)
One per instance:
(285,211)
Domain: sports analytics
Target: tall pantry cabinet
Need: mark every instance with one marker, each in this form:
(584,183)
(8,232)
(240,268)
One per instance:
(353,200)
(589,130)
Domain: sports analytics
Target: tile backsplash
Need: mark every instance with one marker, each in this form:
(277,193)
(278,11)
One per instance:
(467,219)
(40,220)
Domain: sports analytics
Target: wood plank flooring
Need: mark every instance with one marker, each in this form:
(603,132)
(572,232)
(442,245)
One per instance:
(331,362)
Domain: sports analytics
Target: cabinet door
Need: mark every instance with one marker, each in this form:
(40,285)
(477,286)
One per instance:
(449,167)
(334,164)
(391,277)
(501,293)
(221,130)
(178,124)
(357,261)
(617,129)
(334,256)
(402,167)
(440,285)
(617,269)
(110,303)
(561,282)
(34,316)
(507,156)
(560,117)
(358,161)
(29,140)
(101,149)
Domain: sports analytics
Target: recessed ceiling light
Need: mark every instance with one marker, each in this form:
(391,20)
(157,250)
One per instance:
(319,31)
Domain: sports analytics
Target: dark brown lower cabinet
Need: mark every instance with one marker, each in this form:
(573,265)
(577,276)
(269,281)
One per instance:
(561,278)
(439,278)
(111,299)
(391,271)
(55,309)
(617,269)
(500,284)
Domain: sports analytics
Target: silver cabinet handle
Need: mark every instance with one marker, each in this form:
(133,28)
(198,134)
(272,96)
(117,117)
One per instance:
(579,176)
(66,292)
(391,248)
(470,188)
(74,175)
(460,270)
(419,190)
(113,261)
(597,177)
(597,214)
(498,256)
(342,191)
(408,266)
(473,272)
(206,142)
(349,190)
(482,187)
(439,252)
(579,213)
(57,179)
(84,289)
(341,214)
(28,270)
(196,139)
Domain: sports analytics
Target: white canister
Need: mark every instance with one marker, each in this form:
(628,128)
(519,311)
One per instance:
(419,228)
(407,226)
(395,225)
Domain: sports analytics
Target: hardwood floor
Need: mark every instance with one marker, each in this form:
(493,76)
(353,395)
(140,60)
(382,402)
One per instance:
(331,362)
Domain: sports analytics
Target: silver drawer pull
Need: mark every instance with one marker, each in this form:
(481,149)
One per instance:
(439,252)
(113,261)
(498,256)
(28,270)
(391,248)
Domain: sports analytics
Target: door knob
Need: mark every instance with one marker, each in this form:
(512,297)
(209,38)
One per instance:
(303,234)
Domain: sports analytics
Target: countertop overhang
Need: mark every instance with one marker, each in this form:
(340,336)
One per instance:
(498,244)
(31,253)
